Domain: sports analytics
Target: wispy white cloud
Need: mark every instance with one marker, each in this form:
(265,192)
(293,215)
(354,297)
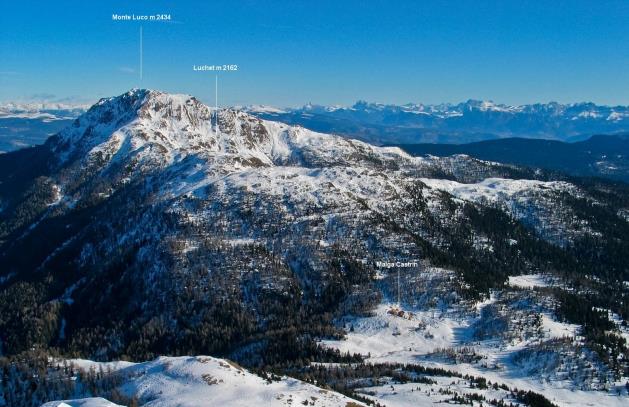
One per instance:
(126,69)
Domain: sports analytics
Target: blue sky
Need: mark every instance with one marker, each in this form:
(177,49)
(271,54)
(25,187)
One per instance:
(328,52)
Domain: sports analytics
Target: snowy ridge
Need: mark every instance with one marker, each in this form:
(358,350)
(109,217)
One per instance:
(166,128)
(205,381)
(518,197)
(86,402)
(146,130)
(495,189)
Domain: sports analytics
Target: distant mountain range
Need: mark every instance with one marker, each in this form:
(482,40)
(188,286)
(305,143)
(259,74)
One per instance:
(27,124)
(600,155)
(454,123)
(43,110)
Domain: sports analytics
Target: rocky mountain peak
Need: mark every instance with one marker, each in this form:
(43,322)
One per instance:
(170,125)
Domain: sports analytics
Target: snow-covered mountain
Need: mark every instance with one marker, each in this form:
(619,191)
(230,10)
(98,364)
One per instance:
(156,225)
(465,122)
(382,124)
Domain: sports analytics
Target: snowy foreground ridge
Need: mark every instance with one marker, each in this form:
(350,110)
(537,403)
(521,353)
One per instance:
(205,381)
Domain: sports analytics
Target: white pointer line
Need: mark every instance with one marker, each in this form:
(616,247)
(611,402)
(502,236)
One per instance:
(141,61)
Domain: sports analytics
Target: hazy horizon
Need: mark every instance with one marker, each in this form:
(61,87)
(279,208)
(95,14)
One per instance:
(68,100)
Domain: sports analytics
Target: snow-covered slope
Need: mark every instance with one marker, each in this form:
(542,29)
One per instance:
(449,340)
(127,137)
(204,381)
(217,232)
(86,402)
(152,128)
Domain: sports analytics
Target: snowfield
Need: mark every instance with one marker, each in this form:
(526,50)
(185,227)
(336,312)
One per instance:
(87,402)
(494,189)
(530,201)
(432,338)
(529,281)
(205,381)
